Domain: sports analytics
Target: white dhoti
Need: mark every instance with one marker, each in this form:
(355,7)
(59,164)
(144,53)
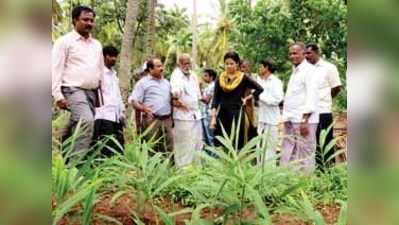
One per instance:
(268,144)
(187,142)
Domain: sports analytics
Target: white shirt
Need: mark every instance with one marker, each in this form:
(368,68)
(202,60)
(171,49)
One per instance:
(329,78)
(302,96)
(113,108)
(76,62)
(209,91)
(268,110)
(187,89)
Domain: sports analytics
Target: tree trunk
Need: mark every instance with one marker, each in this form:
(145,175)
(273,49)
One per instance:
(150,42)
(127,47)
(194,30)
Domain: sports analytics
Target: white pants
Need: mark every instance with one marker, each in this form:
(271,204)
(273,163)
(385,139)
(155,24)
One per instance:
(268,143)
(187,141)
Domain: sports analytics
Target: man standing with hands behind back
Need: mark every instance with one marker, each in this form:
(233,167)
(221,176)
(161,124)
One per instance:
(77,71)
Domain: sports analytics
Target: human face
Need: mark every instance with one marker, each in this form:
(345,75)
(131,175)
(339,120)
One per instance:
(296,54)
(230,65)
(185,65)
(262,69)
(85,23)
(311,56)
(110,61)
(158,69)
(246,67)
(207,78)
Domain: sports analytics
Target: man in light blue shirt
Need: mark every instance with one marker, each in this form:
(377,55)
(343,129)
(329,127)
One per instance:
(152,96)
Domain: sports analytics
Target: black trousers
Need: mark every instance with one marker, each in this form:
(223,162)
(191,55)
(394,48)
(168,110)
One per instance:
(104,128)
(325,120)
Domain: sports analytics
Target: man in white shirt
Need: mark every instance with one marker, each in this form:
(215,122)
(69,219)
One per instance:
(186,115)
(300,113)
(268,110)
(330,86)
(110,117)
(77,69)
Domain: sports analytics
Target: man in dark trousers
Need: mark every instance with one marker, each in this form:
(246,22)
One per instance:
(110,118)
(329,87)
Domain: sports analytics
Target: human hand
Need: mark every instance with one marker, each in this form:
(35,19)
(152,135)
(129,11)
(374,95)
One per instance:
(148,112)
(304,129)
(213,123)
(62,104)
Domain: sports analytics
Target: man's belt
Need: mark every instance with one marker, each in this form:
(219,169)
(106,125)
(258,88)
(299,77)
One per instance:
(163,117)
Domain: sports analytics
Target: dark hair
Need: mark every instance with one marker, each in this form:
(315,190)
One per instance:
(232,55)
(314,47)
(269,64)
(110,50)
(150,64)
(212,73)
(79,9)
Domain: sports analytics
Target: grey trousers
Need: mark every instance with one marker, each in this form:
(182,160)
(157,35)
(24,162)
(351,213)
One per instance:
(82,106)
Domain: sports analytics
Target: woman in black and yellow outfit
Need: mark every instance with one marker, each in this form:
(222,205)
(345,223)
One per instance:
(229,98)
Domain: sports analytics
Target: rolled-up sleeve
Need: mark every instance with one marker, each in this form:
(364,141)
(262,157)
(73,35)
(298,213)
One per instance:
(333,77)
(137,93)
(57,68)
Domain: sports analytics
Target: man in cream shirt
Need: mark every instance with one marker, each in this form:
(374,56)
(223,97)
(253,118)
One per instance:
(268,110)
(77,71)
(329,87)
(300,114)
(186,95)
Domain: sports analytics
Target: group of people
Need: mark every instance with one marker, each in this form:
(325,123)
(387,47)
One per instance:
(182,115)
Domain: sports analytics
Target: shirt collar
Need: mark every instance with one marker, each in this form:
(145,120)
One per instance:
(302,65)
(320,62)
(153,78)
(108,70)
(77,36)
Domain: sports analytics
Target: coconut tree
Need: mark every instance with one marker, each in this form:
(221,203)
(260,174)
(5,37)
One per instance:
(220,42)
(194,31)
(127,45)
(150,32)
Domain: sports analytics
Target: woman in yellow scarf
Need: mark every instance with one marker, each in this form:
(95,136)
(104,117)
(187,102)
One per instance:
(229,98)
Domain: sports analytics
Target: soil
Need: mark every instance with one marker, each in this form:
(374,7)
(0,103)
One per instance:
(122,208)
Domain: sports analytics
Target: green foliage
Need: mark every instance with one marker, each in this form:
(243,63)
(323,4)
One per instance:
(230,182)
(263,31)
(266,30)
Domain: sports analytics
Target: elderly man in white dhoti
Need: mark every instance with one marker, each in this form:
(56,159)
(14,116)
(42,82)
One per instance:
(186,113)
